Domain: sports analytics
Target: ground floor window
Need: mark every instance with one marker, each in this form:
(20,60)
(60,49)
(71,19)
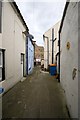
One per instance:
(2,64)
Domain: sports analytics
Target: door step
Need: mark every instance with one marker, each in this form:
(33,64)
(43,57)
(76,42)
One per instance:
(23,79)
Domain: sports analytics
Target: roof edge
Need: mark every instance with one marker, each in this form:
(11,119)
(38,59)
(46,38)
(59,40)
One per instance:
(64,13)
(15,6)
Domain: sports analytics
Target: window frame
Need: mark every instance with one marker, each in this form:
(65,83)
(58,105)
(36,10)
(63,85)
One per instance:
(2,66)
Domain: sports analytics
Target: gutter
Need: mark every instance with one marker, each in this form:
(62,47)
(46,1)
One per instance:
(64,14)
(27,55)
(16,9)
(61,25)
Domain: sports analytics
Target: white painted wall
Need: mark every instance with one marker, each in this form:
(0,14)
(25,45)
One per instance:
(56,35)
(47,48)
(0,40)
(48,45)
(46,53)
(69,58)
(13,41)
(79,59)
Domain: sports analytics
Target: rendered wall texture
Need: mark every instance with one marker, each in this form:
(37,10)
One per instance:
(13,41)
(69,58)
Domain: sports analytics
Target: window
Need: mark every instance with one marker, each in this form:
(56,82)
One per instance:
(58,42)
(0,15)
(22,58)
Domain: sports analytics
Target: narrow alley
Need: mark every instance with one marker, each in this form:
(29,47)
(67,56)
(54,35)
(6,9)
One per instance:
(39,96)
(39,59)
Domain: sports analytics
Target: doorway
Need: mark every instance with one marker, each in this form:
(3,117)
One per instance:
(22,64)
(2,65)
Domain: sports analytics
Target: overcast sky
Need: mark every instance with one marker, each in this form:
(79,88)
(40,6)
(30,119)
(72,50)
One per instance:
(40,16)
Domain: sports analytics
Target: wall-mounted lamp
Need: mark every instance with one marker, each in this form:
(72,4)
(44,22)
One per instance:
(25,32)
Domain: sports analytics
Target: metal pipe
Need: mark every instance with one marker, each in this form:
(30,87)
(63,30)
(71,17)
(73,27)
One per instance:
(52,44)
(53,49)
(59,58)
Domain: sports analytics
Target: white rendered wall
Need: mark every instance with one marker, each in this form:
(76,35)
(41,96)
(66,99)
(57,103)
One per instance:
(47,48)
(69,58)
(56,35)
(13,41)
(0,40)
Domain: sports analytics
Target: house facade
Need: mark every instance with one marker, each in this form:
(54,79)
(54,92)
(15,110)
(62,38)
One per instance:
(12,45)
(51,47)
(69,70)
(39,53)
(47,37)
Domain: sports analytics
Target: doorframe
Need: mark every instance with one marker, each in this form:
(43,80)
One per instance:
(23,62)
(3,63)
(27,55)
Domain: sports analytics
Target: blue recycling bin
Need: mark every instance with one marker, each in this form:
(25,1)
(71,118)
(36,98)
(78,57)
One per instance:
(53,69)
(1,90)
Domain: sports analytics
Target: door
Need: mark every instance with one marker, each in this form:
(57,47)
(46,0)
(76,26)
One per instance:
(22,64)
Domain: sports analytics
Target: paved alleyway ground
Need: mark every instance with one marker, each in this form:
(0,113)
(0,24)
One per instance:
(39,96)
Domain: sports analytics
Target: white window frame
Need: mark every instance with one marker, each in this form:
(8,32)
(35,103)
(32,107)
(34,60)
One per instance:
(1,60)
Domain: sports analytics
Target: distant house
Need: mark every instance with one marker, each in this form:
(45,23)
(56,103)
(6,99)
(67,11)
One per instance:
(39,53)
(12,45)
(69,49)
(51,47)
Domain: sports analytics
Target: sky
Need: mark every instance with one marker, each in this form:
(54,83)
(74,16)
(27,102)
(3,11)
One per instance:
(40,16)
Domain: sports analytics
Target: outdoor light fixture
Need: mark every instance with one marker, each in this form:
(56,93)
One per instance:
(28,35)
(24,32)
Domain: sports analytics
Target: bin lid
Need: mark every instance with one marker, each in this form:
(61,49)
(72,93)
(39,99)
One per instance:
(53,64)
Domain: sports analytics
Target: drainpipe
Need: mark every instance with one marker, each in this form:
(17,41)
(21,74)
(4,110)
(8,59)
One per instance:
(48,45)
(59,58)
(27,55)
(52,44)
(53,49)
